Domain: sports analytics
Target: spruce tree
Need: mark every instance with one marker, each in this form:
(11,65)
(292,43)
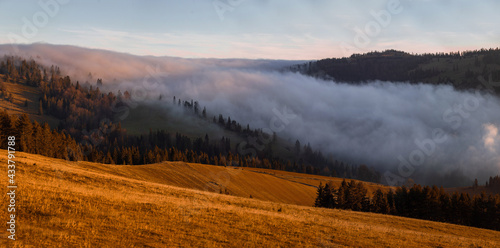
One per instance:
(319,196)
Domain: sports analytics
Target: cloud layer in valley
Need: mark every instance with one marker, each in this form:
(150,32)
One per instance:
(433,134)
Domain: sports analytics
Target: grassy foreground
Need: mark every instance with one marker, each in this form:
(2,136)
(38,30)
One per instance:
(66,204)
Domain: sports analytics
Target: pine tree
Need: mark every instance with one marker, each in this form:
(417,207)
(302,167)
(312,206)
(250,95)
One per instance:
(109,158)
(342,195)
(379,203)
(24,133)
(328,199)
(40,108)
(319,196)
(228,124)
(5,127)
(297,147)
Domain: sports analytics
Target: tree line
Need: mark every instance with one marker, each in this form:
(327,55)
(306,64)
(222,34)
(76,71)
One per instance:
(36,138)
(393,65)
(311,161)
(493,184)
(427,203)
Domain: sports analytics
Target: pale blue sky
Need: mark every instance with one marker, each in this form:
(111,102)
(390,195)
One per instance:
(279,29)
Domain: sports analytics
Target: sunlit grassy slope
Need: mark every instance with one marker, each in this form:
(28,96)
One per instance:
(263,184)
(66,204)
(22,93)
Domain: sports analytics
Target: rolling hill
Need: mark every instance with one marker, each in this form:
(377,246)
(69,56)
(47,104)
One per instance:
(22,93)
(470,70)
(81,204)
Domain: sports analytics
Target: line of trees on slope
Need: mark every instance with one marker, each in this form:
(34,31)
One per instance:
(493,184)
(302,154)
(156,147)
(83,108)
(428,203)
(35,138)
(392,65)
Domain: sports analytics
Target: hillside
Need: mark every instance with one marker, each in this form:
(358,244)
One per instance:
(182,131)
(478,69)
(80,204)
(22,93)
(262,184)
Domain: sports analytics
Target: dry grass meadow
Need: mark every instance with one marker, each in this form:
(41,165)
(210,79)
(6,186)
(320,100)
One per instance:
(80,204)
(22,93)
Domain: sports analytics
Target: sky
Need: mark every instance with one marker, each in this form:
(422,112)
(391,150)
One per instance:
(253,29)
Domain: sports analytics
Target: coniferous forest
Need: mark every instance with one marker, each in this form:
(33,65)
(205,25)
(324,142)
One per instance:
(427,203)
(89,129)
(459,69)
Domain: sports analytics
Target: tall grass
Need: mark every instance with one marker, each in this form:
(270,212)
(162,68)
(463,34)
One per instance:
(65,204)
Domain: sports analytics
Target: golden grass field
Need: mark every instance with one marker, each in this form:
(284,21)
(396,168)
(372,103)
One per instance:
(80,204)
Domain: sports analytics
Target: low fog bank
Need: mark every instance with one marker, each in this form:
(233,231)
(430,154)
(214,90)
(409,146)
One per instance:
(111,66)
(433,134)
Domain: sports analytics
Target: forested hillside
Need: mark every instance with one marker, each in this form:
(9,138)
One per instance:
(477,69)
(90,129)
